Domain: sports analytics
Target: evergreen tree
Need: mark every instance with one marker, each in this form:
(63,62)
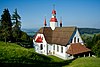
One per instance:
(16,25)
(6,25)
(0,30)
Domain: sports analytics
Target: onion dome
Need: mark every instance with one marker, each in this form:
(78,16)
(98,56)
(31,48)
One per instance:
(53,20)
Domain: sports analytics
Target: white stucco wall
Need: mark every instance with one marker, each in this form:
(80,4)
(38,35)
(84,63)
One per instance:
(37,45)
(53,25)
(77,35)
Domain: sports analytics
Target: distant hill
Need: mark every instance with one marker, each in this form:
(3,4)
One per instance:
(89,30)
(32,31)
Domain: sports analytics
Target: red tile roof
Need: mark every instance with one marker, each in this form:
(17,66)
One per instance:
(77,48)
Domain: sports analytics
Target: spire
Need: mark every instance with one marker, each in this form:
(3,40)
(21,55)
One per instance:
(60,21)
(53,11)
(53,20)
(45,24)
(53,6)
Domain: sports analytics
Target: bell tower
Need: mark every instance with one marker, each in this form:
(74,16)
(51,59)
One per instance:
(53,20)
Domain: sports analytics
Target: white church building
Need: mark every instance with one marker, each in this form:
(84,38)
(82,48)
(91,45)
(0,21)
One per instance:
(63,42)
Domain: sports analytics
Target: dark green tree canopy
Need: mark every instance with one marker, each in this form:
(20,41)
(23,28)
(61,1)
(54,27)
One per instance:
(6,25)
(16,18)
(16,25)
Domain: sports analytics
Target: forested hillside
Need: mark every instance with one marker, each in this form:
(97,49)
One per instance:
(89,30)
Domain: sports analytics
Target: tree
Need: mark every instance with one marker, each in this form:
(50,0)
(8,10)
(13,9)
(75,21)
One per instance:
(25,37)
(16,25)
(88,41)
(6,25)
(0,31)
(96,48)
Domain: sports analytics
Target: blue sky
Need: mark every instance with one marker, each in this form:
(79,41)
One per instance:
(80,13)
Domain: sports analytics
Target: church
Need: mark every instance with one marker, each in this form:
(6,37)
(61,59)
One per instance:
(63,42)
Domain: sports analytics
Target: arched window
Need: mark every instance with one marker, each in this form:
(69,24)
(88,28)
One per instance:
(54,47)
(61,49)
(78,40)
(57,48)
(75,40)
(41,46)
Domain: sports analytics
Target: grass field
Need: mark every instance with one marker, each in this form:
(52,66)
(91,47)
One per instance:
(85,62)
(15,54)
(56,59)
(20,56)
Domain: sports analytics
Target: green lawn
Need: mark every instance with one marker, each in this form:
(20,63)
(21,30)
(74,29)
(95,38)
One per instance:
(15,54)
(56,59)
(85,62)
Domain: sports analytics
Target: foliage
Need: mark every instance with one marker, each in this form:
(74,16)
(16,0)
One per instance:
(88,38)
(13,53)
(12,31)
(85,62)
(96,48)
(16,25)
(88,30)
(93,42)
(6,26)
(96,45)
(24,36)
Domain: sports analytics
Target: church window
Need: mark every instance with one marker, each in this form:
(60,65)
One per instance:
(41,46)
(57,48)
(78,40)
(75,40)
(61,49)
(54,47)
